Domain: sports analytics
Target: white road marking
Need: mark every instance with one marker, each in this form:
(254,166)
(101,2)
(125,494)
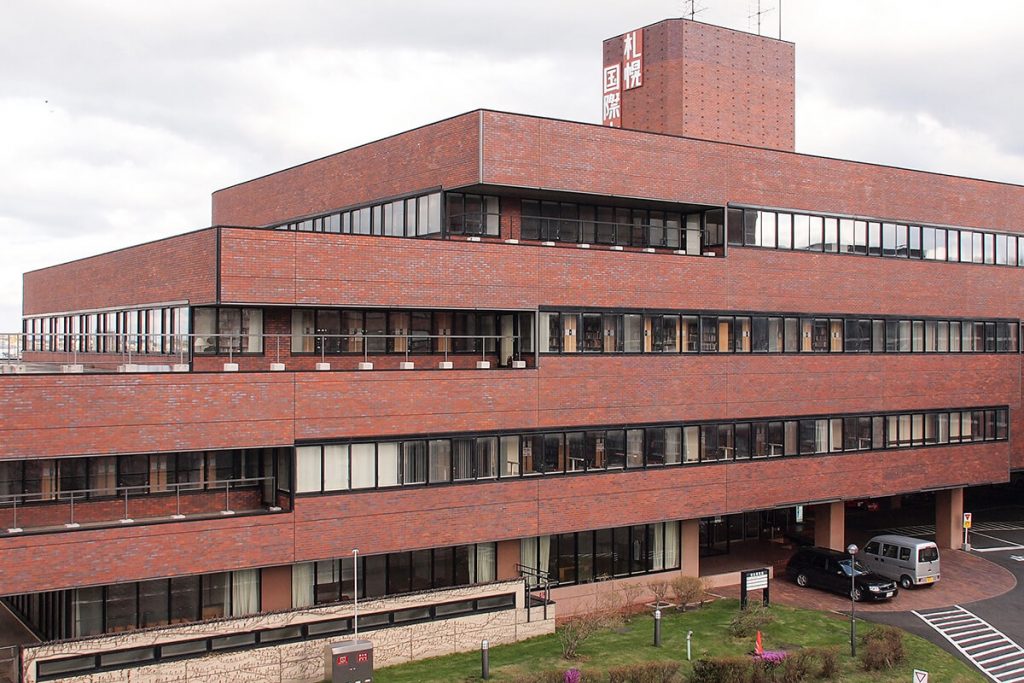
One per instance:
(998,657)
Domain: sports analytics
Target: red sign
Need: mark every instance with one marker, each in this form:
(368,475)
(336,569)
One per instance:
(363,657)
(342,660)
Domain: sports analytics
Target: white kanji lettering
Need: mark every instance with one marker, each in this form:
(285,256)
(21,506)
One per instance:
(632,74)
(611,78)
(629,46)
(612,107)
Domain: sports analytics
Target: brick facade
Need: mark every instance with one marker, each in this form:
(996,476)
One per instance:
(515,156)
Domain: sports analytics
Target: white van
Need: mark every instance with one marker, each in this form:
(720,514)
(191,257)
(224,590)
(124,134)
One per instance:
(910,561)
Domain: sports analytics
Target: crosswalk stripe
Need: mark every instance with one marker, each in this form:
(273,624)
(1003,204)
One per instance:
(993,653)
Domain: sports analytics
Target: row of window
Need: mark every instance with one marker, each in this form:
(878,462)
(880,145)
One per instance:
(330,581)
(425,331)
(121,607)
(411,217)
(134,657)
(144,331)
(586,224)
(101,476)
(356,466)
(587,556)
(126,606)
(597,332)
(785,230)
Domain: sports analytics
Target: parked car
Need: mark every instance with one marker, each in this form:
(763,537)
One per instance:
(910,561)
(830,570)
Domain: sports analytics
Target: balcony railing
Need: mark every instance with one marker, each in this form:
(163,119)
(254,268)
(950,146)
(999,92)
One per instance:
(639,235)
(78,352)
(59,510)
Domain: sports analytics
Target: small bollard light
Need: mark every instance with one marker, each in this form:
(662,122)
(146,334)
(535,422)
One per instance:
(689,634)
(485,660)
(657,628)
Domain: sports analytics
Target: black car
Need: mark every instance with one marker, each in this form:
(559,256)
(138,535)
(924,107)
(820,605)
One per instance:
(830,570)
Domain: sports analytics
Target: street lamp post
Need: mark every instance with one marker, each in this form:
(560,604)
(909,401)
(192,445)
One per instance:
(355,592)
(852,550)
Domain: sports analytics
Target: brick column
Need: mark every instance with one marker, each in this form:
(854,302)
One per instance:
(949,517)
(507,557)
(275,588)
(690,547)
(830,526)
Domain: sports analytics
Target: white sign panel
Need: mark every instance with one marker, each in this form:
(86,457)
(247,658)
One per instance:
(920,676)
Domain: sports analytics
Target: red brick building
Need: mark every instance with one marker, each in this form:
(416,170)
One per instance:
(502,341)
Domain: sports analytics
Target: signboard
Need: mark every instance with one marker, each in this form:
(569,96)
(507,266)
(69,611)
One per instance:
(967,520)
(752,580)
(626,74)
(350,661)
(920,676)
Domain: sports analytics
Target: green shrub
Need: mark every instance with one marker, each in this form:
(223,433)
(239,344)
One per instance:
(721,670)
(797,667)
(828,657)
(750,620)
(648,672)
(882,649)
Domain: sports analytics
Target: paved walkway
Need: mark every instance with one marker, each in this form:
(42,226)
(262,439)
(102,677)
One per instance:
(965,579)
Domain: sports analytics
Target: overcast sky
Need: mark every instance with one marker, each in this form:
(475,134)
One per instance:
(118,119)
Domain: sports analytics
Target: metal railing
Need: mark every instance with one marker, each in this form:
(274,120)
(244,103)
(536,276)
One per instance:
(643,235)
(51,501)
(80,352)
(535,580)
(484,224)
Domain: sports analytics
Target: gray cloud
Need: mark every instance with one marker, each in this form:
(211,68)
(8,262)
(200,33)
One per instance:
(118,118)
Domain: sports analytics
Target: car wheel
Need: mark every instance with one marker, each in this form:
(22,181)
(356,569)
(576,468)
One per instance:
(801,580)
(857,595)
(906,582)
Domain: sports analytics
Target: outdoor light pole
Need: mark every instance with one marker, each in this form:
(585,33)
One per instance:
(355,592)
(852,549)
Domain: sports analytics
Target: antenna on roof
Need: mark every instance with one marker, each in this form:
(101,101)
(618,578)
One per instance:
(759,13)
(691,7)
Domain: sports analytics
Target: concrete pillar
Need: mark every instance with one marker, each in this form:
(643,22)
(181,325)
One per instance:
(507,557)
(830,526)
(690,547)
(949,518)
(275,588)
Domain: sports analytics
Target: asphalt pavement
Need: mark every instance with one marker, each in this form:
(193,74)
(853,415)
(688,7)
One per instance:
(998,538)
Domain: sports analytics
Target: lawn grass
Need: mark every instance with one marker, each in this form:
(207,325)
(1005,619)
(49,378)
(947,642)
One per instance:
(632,643)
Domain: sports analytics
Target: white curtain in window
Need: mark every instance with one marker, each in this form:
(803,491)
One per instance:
(673,446)
(335,468)
(692,442)
(387,464)
(657,547)
(362,455)
(307,470)
(486,562)
(544,558)
(245,592)
(252,328)
(510,456)
(821,436)
(671,544)
(302,584)
(528,556)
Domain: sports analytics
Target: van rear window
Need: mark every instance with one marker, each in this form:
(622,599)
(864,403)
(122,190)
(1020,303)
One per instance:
(927,554)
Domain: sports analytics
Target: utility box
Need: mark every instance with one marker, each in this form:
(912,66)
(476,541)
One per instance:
(350,661)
